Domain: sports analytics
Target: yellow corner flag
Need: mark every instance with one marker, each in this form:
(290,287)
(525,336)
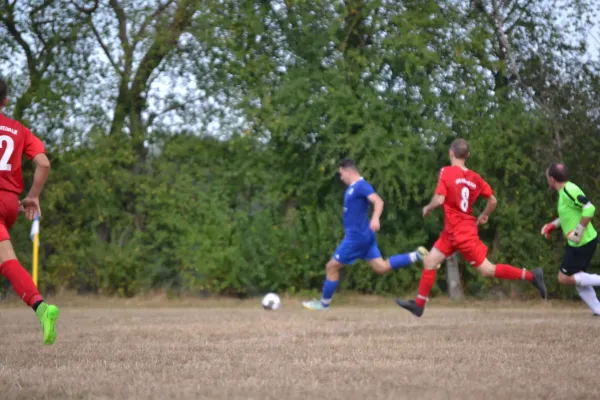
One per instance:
(35,236)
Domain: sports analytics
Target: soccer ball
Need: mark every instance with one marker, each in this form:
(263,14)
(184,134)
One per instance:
(271,301)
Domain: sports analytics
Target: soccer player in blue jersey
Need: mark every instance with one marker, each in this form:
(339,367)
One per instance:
(359,241)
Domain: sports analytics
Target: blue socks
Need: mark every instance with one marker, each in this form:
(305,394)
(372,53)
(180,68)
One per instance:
(402,260)
(328,290)
(396,262)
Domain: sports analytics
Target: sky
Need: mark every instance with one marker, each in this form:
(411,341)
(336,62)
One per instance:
(593,40)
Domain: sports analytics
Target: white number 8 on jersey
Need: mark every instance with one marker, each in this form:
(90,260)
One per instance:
(464,203)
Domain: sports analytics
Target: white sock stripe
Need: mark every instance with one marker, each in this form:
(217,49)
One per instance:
(422,297)
(325,301)
(413,256)
(523,274)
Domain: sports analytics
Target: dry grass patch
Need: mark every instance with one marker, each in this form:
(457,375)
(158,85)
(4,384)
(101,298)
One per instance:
(345,353)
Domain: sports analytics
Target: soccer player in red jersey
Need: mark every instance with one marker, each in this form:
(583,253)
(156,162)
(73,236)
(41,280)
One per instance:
(16,140)
(458,188)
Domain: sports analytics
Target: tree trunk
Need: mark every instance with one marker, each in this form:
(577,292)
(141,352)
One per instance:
(455,289)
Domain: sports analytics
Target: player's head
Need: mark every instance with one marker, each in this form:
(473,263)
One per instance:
(3,92)
(459,150)
(348,171)
(556,175)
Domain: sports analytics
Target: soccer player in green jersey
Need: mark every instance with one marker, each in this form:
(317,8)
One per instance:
(575,211)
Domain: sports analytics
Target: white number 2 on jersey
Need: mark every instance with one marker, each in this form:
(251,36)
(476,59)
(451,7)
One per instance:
(464,203)
(6,143)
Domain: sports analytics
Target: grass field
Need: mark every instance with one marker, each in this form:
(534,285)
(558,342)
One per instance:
(239,351)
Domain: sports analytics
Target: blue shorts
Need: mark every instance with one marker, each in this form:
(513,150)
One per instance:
(351,250)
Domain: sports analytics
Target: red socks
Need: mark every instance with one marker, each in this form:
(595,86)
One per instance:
(427,281)
(505,271)
(21,282)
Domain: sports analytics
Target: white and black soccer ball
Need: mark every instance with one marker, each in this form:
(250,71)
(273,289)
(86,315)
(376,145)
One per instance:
(271,301)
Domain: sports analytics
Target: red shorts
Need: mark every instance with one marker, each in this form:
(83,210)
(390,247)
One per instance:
(468,244)
(9,210)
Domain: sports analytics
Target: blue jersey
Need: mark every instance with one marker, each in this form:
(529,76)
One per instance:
(356,210)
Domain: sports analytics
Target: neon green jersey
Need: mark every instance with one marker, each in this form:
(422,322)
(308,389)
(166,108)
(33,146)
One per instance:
(572,206)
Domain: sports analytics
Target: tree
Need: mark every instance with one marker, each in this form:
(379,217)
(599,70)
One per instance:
(137,55)
(195,144)
(45,64)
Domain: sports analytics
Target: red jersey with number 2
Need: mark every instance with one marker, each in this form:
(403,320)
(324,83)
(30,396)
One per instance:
(461,188)
(15,140)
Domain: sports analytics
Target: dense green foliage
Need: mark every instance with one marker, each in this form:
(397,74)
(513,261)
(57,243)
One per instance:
(198,151)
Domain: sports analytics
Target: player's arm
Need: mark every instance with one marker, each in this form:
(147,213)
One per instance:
(34,150)
(587,210)
(40,176)
(587,213)
(438,199)
(491,201)
(550,227)
(491,204)
(377,203)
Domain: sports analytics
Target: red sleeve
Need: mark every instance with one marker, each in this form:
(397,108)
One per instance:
(486,189)
(33,145)
(441,188)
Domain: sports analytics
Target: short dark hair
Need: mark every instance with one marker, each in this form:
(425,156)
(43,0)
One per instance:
(460,148)
(559,172)
(3,91)
(348,163)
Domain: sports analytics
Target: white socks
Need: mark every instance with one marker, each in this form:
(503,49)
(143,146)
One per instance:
(588,295)
(585,279)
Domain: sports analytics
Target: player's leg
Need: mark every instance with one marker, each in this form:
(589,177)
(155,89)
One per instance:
(589,297)
(475,252)
(428,275)
(346,254)
(566,278)
(23,285)
(395,262)
(572,272)
(441,249)
(580,278)
(575,264)
(10,267)
(18,277)
(332,280)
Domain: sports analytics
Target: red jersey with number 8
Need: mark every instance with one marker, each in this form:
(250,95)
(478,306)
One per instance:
(461,188)
(15,140)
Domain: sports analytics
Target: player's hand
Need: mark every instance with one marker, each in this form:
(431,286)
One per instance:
(576,234)
(375,225)
(483,219)
(426,211)
(549,228)
(31,206)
